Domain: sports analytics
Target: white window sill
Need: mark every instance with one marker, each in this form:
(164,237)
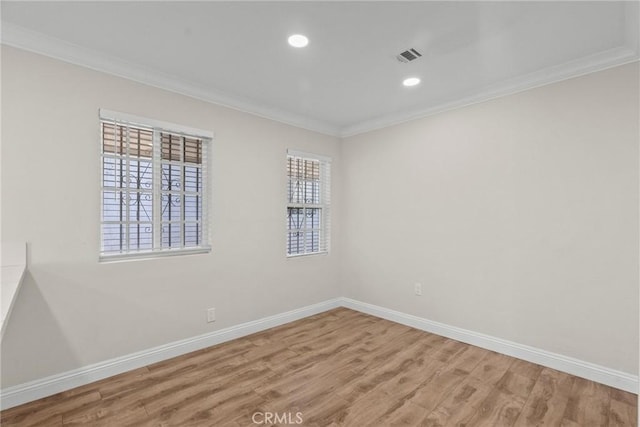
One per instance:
(307,255)
(139,256)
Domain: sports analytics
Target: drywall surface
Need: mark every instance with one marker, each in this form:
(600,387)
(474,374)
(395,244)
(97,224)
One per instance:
(74,311)
(519,217)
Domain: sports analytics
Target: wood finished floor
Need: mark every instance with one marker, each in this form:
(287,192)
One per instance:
(339,368)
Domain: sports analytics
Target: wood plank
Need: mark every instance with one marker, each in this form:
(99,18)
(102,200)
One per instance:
(526,369)
(460,404)
(622,414)
(515,384)
(468,359)
(213,409)
(206,390)
(407,382)
(109,414)
(368,409)
(492,367)
(498,409)
(433,391)
(408,414)
(52,420)
(589,403)
(548,399)
(338,368)
(623,396)
(448,350)
(48,411)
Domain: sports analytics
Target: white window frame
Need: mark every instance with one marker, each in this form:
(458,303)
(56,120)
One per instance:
(158,127)
(324,205)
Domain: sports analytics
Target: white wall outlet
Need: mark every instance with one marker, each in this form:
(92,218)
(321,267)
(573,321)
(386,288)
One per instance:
(417,288)
(211,315)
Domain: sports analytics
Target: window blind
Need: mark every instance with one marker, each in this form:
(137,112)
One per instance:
(308,203)
(154,189)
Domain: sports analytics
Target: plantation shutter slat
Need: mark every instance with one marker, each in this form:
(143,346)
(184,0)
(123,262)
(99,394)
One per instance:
(308,203)
(154,189)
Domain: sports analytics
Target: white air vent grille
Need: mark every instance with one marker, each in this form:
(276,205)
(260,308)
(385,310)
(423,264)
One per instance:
(408,55)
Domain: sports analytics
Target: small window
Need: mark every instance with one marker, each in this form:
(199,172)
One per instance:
(154,188)
(308,203)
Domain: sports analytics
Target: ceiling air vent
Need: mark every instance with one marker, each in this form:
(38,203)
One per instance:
(408,55)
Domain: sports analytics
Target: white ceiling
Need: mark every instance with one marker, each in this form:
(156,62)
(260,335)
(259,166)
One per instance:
(347,80)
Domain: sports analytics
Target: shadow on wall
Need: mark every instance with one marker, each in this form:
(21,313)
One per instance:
(33,337)
(71,315)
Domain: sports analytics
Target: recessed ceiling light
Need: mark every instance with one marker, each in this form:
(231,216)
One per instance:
(298,40)
(411,81)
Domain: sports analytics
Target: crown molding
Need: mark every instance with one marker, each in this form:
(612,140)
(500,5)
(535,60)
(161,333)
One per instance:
(17,36)
(579,67)
(22,38)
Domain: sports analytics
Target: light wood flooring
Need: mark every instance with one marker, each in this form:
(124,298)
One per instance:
(339,368)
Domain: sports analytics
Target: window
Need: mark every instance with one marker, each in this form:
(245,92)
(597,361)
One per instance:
(308,218)
(154,188)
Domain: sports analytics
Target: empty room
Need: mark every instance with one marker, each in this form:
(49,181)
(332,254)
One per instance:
(320,213)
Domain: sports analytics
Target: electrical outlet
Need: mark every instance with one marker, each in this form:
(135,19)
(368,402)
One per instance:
(417,288)
(211,315)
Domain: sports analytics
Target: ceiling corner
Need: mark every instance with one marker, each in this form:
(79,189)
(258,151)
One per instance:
(19,37)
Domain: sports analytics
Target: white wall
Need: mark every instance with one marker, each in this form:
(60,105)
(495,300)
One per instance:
(73,311)
(519,216)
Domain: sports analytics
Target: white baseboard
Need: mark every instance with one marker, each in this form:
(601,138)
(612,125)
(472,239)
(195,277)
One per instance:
(28,392)
(579,368)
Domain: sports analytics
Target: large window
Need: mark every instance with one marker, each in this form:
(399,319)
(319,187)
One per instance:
(308,218)
(154,187)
